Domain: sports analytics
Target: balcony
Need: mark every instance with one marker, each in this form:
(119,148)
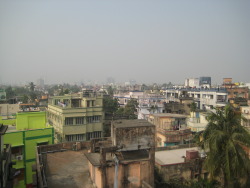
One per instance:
(176,136)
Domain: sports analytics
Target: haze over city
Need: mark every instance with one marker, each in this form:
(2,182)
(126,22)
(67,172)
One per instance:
(148,41)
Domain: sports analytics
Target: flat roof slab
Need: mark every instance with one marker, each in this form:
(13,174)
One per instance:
(132,123)
(168,157)
(68,169)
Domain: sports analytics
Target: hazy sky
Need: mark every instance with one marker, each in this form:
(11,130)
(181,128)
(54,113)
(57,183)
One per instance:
(148,41)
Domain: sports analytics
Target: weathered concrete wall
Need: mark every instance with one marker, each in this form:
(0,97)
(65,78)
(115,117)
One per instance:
(176,171)
(8,110)
(134,138)
(130,175)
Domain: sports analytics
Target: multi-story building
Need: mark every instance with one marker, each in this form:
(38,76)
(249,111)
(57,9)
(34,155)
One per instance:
(182,164)
(204,98)
(197,122)
(245,111)
(150,104)
(125,160)
(30,131)
(129,161)
(6,172)
(123,98)
(76,117)
(171,129)
(192,82)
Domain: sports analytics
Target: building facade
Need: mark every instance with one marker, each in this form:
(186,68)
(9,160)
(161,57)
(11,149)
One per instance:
(150,104)
(76,117)
(30,131)
(204,98)
(181,164)
(8,111)
(192,82)
(6,171)
(129,161)
(171,129)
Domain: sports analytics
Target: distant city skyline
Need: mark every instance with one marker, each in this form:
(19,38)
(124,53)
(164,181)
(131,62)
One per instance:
(147,41)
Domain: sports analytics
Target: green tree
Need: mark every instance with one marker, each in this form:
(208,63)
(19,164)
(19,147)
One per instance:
(131,108)
(25,99)
(32,86)
(223,140)
(110,91)
(9,92)
(33,96)
(110,105)
(193,107)
(153,108)
(66,91)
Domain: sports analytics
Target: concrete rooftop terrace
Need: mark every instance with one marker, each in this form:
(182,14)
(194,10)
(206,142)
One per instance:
(132,123)
(68,169)
(169,115)
(169,157)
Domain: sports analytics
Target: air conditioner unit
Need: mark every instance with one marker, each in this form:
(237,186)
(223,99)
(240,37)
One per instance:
(19,157)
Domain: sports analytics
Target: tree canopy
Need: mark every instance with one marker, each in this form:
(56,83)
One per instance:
(130,109)
(110,105)
(224,140)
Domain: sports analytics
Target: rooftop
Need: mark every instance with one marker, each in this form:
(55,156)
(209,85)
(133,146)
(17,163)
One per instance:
(169,157)
(169,115)
(94,158)
(132,123)
(68,169)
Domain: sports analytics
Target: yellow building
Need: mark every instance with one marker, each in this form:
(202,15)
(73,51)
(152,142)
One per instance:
(76,117)
(171,129)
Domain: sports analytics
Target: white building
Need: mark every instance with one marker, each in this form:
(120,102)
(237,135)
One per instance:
(125,97)
(245,110)
(204,98)
(197,122)
(150,104)
(192,82)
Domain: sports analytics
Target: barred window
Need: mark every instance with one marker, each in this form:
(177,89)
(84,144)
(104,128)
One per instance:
(80,120)
(75,137)
(68,121)
(96,134)
(93,119)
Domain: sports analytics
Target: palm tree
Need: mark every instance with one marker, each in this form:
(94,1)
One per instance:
(224,139)
(32,86)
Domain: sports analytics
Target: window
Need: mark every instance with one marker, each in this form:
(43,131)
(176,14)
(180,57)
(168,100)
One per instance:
(79,120)
(93,119)
(16,151)
(69,137)
(96,119)
(96,134)
(75,137)
(56,101)
(68,121)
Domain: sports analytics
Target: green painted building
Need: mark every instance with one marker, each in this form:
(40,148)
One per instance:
(30,131)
